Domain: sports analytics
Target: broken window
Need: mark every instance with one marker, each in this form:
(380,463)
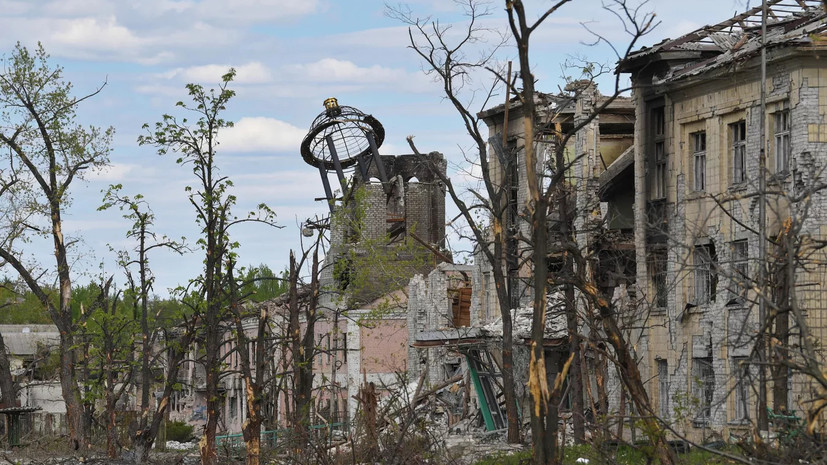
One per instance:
(705,273)
(663,391)
(738,135)
(657,265)
(659,122)
(782,141)
(461,307)
(704,387)
(740,370)
(699,152)
(740,271)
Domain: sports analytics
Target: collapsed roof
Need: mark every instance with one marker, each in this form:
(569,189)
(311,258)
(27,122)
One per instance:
(789,22)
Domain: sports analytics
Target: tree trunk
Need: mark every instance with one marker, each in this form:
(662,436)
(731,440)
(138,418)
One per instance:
(207,445)
(634,384)
(145,437)
(575,371)
(78,438)
(7,388)
(251,430)
(111,428)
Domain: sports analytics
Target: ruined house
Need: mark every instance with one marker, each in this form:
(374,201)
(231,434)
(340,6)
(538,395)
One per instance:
(698,195)
(454,316)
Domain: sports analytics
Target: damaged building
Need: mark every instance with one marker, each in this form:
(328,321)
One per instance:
(454,317)
(698,194)
(387,224)
(667,207)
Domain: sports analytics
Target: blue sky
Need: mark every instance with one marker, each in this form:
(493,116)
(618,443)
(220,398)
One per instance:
(290,56)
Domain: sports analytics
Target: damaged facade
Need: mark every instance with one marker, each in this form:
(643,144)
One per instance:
(667,207)
(696,166)
(454,314)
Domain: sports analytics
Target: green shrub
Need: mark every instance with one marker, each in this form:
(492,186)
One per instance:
(179,431)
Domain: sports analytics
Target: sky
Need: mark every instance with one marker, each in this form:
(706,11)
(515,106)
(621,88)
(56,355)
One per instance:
(289,55)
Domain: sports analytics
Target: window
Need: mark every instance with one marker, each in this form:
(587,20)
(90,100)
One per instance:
(460,306)
(740,270)
(740,369)
(699,152)
(658,271)
(738,135)
(659,122)
(663,391)
(782,141)
(704,387)
(705,273)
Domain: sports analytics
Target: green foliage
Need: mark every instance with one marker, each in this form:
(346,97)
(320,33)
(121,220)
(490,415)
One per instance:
(522,457)
(625,454)
(179,431)
(261,284)
(50,142)
(22,307)
(370,268)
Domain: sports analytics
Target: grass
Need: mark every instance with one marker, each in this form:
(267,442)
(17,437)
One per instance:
(622,455)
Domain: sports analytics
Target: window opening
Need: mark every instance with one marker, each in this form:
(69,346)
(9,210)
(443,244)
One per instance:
(705,276)
(704,389)
(782,141)
(699,152)
(738,134)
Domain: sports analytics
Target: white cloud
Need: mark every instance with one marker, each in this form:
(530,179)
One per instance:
(255,11)
(112,172)
(250,73)
(335,70)
(95,33)
(261,134)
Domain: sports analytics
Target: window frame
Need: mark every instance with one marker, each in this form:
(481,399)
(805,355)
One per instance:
(742,377)
(738,151)
(661,157)
(703,373)
(663,387)
(705,273)
(699,160)
(739,270)
(783,142)
(658,262)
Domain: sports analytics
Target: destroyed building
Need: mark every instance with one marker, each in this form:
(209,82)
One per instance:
(387,224)
(454,315)
(668,206)
(698,194)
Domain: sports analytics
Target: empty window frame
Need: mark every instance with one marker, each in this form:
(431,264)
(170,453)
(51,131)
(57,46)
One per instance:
(663,388)
(657,264)
(703,387)
(738,136)
(782,141)
(739,271)
(699,156)
(740,370)
(661,159)
(705,273)
(460,306)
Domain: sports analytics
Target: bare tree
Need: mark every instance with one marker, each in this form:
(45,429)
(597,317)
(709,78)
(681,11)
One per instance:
(453,69)
(445,58)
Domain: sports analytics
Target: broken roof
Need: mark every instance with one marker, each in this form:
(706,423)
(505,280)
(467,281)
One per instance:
(789,22)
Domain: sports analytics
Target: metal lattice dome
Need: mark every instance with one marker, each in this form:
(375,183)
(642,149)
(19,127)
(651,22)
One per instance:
(348,128)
